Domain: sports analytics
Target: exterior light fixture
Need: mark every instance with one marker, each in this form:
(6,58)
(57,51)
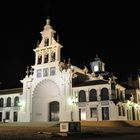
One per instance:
(21,103)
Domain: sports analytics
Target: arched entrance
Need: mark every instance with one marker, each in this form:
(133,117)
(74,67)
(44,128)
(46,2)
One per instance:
(46,101)
(54,111)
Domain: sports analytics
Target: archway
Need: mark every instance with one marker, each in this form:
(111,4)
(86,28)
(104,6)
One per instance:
(46,101)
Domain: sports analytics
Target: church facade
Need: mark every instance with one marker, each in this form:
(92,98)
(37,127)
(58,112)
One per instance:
(59,91)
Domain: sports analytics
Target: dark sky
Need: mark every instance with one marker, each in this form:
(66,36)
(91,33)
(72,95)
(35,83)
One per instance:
(85,29)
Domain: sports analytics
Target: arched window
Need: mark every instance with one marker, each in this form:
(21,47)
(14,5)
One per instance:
(46,58)
(92,95)
(104,94)
(39,59)
(82,96)
(46,42)
(16,101)
(8,102)
(1,102)
(52,56)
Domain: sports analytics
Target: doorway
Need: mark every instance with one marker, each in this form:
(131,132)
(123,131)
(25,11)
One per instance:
(82,114)
(105,113)
(15,116)
(0,116)
(54,111)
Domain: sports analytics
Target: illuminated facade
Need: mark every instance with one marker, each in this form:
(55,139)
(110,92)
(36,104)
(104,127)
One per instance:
(59,91)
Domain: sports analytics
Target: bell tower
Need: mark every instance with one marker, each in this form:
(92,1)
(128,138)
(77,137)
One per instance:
(50,84)
(48,50)
(97,65)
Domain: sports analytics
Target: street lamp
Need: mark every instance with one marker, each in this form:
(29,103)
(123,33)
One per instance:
(71,126)
(21,104)
(71,102)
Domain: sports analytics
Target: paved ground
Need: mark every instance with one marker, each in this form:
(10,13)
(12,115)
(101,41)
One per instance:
(50,131)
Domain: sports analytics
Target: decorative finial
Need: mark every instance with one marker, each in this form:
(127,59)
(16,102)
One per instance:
(69,63)
(64,65)
(31,71)
(100,76)
(96,58)
(83,63)
(27,71)
(93,74)
(112,77)
(57,38)
(138,71)
(64,60)
(37,43)
(85,69)
(48,20)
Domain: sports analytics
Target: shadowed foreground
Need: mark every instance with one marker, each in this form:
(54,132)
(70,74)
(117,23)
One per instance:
(89,131)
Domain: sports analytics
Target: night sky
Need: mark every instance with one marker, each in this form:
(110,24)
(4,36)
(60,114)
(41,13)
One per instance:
(85,29)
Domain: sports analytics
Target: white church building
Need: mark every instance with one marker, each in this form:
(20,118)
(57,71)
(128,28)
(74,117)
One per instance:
(59,91)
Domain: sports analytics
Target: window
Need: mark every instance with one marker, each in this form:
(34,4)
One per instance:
(52,71)
(39,73)
(96,68)
(123,110)
(52,56)
(119,110)
(46,58)
(82,96)
(1,102)
(93,112)
(39,59)
(8,102)
(46,42)
(45,72)
(7,116)
(104,94)
(92,95)
(16,101)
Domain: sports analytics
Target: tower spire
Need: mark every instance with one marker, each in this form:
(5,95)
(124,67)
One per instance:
(37,43)
(28,71)
(57,38)
(48,20)
(96,58)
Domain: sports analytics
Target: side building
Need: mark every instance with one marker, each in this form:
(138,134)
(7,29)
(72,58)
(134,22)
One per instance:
(9,104)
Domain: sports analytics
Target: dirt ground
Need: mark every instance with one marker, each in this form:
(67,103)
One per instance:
(51,131)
